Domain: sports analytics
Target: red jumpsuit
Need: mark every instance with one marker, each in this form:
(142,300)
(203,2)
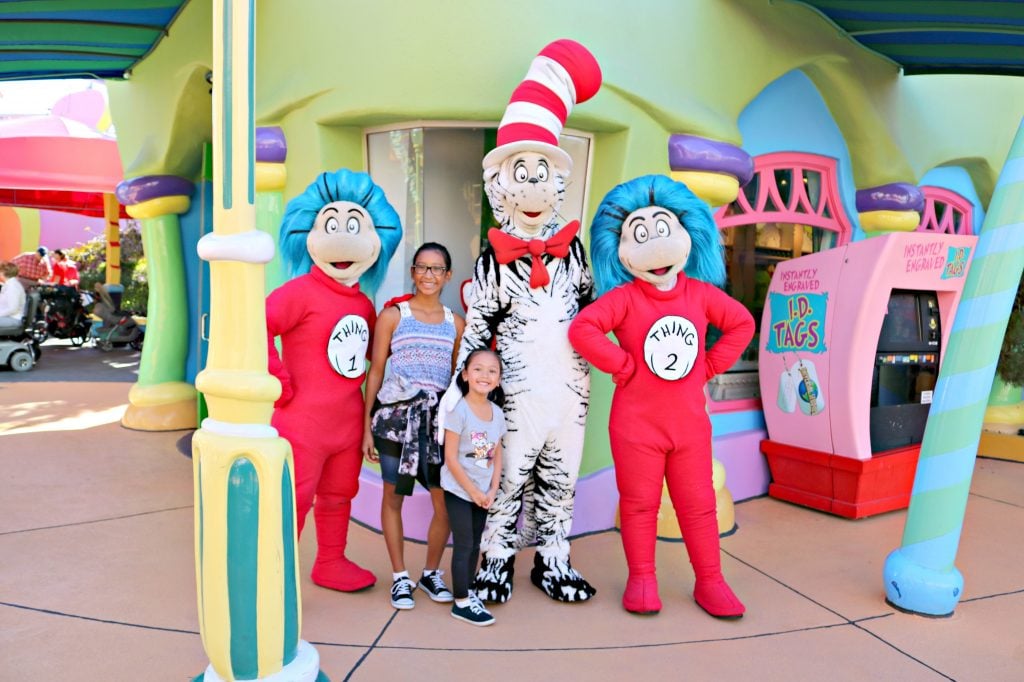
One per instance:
(659,425)
(321,409)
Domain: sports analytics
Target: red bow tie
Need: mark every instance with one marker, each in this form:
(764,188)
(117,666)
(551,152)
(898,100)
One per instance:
(508,248)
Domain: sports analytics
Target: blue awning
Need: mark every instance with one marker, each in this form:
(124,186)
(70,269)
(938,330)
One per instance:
(936,36)
(81,39)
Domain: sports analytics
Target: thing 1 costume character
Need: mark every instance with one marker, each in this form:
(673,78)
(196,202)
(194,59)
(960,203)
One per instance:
(657,258)
(336,240)
(527,286)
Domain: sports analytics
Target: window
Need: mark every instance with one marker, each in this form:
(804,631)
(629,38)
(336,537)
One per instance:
(945,212)
(790,208)
(431,174)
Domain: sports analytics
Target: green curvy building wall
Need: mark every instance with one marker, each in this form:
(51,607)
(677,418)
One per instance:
(327,70)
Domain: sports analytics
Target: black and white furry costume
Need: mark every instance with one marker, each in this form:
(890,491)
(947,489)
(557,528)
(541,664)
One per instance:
(546,383)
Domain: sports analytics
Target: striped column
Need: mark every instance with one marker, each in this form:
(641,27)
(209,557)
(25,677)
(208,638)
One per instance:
(161,400)
(112,213)
(249,600)
(920,576)
(895,207)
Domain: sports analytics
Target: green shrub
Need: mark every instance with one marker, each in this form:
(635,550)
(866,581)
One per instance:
(1011,356)
(91,258)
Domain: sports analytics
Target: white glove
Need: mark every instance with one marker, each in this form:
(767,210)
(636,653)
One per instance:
(449,400)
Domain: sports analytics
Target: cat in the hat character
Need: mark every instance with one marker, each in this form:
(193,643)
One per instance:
(658,258)
(527,286)
(336,239)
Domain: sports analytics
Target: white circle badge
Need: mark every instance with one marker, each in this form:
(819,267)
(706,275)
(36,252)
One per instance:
(670,347)
(346,349)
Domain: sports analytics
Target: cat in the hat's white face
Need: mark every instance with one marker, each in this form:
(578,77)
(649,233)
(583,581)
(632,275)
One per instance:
(525,191)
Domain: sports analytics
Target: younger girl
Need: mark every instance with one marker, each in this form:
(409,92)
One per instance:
(420,336)
(472,472)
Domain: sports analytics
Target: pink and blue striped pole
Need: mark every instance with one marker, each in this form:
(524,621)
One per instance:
(920,576)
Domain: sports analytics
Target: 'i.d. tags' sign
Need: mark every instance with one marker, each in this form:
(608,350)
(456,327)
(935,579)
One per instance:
(952,260)
(956,262)
(798,323)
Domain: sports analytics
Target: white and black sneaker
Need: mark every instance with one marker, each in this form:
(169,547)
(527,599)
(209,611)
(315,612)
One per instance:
(473,613)
(401,593)
(434,586)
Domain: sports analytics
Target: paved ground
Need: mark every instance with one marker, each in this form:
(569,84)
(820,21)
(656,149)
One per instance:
(97,578)
(61,361)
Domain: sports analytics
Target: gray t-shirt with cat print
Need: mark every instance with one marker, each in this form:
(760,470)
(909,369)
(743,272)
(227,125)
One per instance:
(477,439)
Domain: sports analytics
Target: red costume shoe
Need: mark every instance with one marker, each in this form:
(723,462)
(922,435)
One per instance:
(716,597)
(331,568)
(641,595)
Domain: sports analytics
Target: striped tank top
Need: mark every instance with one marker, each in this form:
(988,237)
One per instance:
(421,353)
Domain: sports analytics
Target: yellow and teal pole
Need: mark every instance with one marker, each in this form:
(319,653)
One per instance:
(920,576)
(245,542)
(161,400)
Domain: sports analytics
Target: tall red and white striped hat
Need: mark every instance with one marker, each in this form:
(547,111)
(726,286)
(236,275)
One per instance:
(563,74)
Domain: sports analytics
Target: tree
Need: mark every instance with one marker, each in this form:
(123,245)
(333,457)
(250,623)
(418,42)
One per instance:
(1011,356)
(91,256)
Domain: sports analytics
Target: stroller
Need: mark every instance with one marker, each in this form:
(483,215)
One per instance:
(116,327)
(19,350)
(65,314)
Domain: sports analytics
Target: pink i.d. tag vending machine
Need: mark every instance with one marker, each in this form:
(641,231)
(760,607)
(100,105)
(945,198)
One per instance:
(851,343)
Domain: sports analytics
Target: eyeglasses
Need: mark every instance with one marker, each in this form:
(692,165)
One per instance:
(435,270)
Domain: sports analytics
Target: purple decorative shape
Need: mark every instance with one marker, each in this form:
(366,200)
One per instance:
(597,496)
(746,469)
(417,510)
(896,196)
(137,190)
(693,153)
(270,145)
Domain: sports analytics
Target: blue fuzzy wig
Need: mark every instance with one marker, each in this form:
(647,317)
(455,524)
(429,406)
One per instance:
(706,261)
(341,185)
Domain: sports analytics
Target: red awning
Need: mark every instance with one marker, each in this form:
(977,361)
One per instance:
(82,203)
(57,164)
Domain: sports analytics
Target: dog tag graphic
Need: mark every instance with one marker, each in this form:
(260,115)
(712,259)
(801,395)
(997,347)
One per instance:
(787,392)
(808,390)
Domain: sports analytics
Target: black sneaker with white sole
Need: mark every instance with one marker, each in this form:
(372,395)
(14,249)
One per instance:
(434,586)
(401,593)
(473,613)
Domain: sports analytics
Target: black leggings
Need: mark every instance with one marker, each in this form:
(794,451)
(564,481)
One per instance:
(467,522)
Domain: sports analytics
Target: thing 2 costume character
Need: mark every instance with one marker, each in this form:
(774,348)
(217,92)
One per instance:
(658,258)
(527,287)
(336,240)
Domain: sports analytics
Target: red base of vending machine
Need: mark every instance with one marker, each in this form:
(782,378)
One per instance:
(852,488)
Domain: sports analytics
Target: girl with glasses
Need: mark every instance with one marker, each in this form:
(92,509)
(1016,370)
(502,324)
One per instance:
(420,336)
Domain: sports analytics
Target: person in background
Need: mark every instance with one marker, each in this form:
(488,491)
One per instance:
(12,297)
(33,268)
(65,272)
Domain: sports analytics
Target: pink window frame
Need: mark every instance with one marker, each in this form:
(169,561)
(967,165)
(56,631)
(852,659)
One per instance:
(955,203)
(797,210)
